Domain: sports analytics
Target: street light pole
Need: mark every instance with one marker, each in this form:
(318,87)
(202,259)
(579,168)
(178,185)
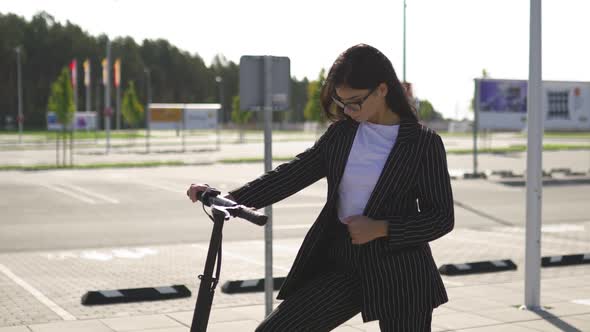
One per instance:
(107,97)
(19,118)
(220,113)
(534,182)
(147,109)
(404,73)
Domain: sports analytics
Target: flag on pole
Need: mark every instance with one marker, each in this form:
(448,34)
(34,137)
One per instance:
(117,69)
(86,65)
(104,72)
(74,72)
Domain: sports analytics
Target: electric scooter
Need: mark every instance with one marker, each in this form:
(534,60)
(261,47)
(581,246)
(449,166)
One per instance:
(223,209)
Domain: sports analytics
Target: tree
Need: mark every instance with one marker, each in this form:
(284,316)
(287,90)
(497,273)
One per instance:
(313,109)
(239,117)
(131,108)
(426,112)
(61,102)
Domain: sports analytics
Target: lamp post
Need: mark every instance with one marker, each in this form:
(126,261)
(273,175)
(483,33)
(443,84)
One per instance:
(147,108)
(19,118)
(404,73)
(221,112)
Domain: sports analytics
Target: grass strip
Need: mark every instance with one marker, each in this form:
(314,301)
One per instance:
(92,166)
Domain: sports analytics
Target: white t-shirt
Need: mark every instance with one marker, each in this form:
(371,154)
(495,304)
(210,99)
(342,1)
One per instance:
(370,149)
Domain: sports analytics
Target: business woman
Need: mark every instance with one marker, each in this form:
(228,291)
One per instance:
(389,194)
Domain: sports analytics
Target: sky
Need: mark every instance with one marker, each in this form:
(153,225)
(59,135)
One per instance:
(448,43)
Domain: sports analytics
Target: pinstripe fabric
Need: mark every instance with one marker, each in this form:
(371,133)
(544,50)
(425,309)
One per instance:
(398,275)
(321,305)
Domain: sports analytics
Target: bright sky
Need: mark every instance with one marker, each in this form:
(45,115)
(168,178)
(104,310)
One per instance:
(449,42)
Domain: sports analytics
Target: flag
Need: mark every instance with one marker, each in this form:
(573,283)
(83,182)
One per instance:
(104,72)
(86,65)
(117,70)
(74,72)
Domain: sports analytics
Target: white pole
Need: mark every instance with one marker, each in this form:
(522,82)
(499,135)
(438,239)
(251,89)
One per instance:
(268,281)
(404,74)
(534,163)
(107,97)
(19,118)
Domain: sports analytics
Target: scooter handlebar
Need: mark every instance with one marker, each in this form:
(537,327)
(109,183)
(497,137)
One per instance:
(239,211)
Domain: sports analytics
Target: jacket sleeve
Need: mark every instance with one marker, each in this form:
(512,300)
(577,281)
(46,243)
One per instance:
(288,178)
(435,197)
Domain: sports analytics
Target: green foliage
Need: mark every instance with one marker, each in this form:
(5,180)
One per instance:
(131,108)
(61,100)
(239,116)
(426,112)
(313,109)
(47,45)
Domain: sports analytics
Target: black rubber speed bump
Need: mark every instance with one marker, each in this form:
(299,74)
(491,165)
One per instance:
(249,286)
(135,295)
(477,267)
(551,261)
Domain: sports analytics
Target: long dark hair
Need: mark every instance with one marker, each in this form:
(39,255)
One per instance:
(365,67)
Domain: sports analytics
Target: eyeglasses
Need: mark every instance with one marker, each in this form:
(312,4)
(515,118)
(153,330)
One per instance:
(353,107)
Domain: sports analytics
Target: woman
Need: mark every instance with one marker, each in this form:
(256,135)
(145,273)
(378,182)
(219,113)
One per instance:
(389,194)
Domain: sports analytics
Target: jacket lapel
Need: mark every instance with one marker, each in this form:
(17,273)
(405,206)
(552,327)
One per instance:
(395,176)
(342,151)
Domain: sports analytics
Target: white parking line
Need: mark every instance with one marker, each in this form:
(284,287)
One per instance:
(37,294)
(90,193)
(286,227)
(70,193)
(163,187)
(227,253)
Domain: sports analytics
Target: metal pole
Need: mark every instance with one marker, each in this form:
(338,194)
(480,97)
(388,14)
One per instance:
(404,75)
(73,123)
(475,128)
(268,281)
(534,163)
(88,88)
(107,98)
(119,101)
(147,110)
(220,112)
(20,96)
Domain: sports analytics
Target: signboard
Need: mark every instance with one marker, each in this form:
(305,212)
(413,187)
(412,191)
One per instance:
(252,85)
(183,116)
(201,118)
(502,104)
(82,121)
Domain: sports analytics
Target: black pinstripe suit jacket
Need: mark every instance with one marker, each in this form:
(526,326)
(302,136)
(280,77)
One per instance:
(413,193)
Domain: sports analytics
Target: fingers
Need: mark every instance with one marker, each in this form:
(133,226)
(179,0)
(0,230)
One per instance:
(194,189)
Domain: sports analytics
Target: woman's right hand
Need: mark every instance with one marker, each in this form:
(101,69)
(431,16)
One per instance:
(194,189)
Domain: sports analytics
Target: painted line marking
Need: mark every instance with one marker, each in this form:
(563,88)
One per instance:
(227,253)
(301,226)
(37,294)
(163,187)
(91,194)
(582,301)
(298,206)
(69,193)
(454,283)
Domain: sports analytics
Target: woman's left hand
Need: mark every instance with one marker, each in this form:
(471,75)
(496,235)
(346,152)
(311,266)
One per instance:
(363,229)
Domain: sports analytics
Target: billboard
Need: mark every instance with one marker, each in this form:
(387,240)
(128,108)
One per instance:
(502,104)
(82,121)
(183,116)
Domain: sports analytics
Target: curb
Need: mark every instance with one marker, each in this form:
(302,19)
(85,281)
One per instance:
(477,267)
(249,286)
(135,295)
(551,261)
